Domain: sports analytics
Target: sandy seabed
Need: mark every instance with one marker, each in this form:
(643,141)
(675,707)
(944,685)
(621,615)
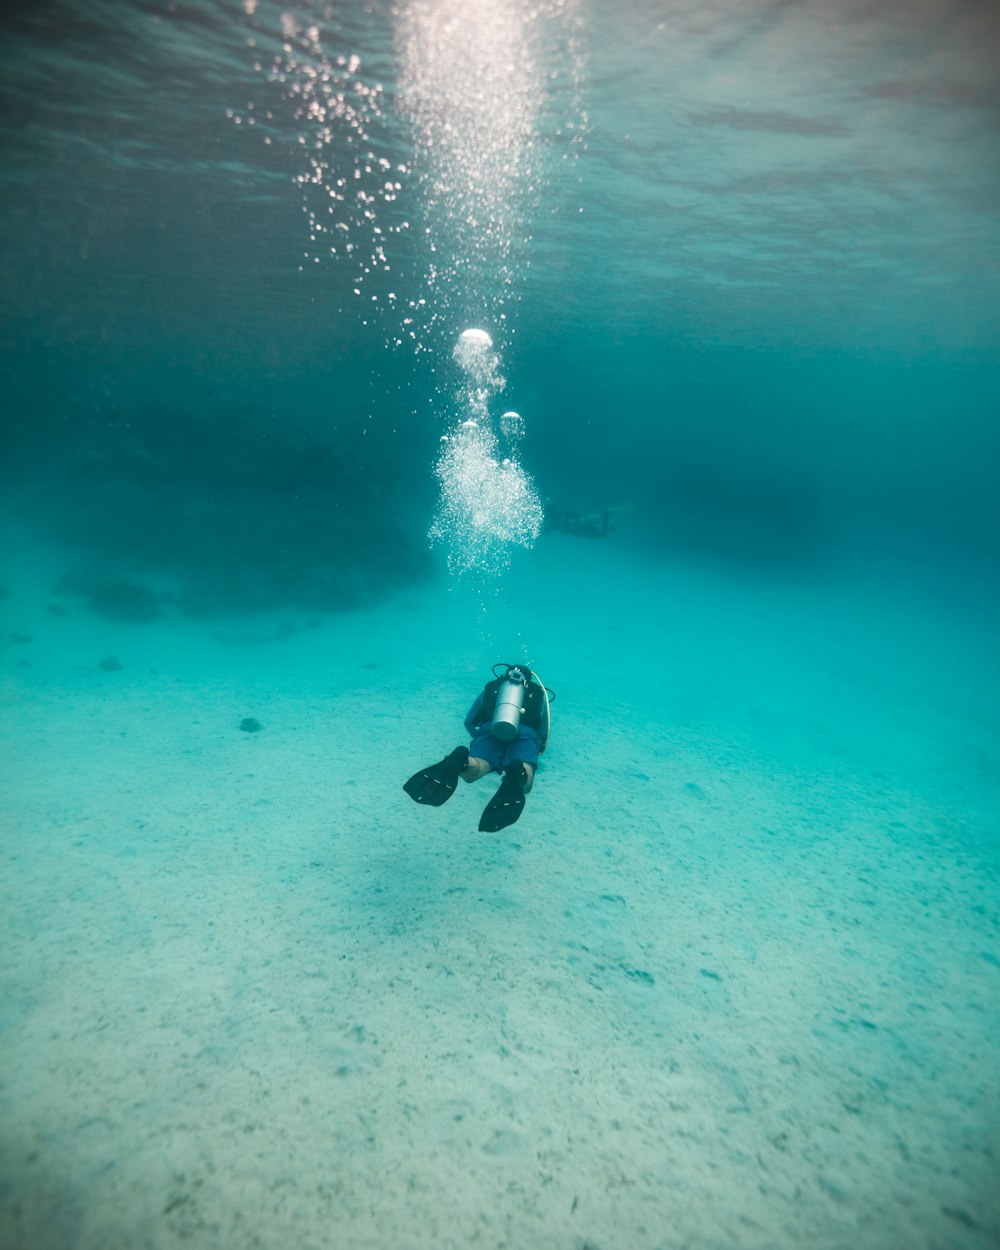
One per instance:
(732,981)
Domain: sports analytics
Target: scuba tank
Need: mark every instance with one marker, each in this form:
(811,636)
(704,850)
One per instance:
(509,705)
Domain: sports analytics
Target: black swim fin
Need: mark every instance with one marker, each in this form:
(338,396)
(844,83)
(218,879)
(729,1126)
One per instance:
(508,802)
(436,784)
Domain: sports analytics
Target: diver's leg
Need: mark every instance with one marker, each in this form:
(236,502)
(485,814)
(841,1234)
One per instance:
(525,749)
(476,768)
(485,756)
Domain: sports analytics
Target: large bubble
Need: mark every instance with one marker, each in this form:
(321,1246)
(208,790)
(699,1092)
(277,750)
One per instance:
(512,430)
(472,345)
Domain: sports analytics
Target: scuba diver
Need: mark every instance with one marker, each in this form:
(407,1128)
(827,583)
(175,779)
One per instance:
(509,726)
(581,524)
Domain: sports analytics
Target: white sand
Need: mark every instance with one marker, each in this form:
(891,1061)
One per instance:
(732,981)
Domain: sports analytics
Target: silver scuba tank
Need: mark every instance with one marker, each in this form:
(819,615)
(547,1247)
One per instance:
(509,706)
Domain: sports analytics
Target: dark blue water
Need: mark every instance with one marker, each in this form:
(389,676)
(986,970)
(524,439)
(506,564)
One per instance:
(732,980)
(745,274)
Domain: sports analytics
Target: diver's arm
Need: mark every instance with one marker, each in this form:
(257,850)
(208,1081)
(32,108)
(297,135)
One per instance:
(470,720)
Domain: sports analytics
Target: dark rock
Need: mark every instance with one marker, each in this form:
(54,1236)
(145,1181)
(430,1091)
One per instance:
(110,664)
(250,726)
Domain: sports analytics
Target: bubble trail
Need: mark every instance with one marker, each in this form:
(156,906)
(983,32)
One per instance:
(488,503)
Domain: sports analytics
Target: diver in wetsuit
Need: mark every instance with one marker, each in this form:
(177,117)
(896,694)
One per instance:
(581,524)
(509,726)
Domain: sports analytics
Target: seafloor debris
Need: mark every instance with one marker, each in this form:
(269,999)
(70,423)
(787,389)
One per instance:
(250,726)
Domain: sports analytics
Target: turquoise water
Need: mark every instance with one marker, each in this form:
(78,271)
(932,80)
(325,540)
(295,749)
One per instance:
(732,979)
